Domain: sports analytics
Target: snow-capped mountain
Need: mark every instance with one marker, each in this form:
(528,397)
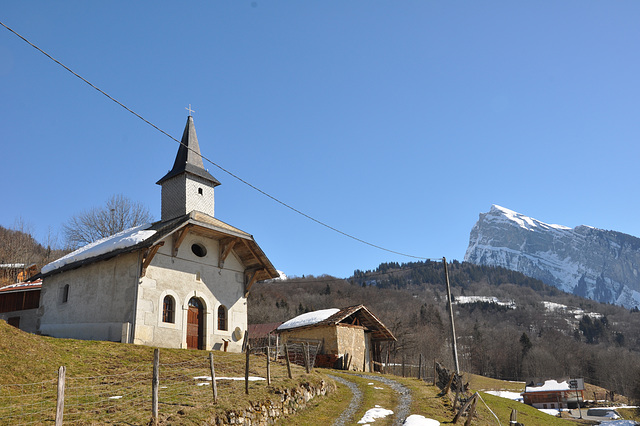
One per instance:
(590,262)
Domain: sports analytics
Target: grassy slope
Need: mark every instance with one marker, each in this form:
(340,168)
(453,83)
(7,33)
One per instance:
(27,358)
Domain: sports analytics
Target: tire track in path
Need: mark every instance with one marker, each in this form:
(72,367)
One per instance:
(356,401)
(401,411)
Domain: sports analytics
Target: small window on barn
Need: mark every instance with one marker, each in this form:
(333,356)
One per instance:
(222,318)
(168,310)
(65,293)
(199,250)
(199,191)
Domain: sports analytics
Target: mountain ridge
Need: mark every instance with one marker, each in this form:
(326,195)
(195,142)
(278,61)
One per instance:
(586,261)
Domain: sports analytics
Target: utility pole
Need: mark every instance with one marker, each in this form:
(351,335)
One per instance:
(453,327)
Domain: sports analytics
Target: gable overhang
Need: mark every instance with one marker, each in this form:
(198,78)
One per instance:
(256,263)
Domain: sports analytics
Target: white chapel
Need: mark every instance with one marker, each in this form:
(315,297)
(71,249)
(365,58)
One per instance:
(181,282)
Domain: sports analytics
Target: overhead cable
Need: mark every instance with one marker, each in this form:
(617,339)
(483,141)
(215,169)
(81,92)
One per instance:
(208,160)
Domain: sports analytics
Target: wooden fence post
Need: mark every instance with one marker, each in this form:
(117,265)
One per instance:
(513,420)
(435,371)
(305,357)
(420,368)
(472,410)
(155,382)
(464,407)
(269,363)
(246,372)
(62,371)
(446,389)
(214,385)
(403,365)
(286,356)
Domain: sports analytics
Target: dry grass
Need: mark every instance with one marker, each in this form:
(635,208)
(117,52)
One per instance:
(99,371)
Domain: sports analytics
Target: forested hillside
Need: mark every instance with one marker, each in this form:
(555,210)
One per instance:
(530,331)
(17,246)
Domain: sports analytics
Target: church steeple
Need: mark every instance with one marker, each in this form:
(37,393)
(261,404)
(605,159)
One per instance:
(187,186)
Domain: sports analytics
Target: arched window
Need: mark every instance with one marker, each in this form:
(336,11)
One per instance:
(168,310)
(222,318)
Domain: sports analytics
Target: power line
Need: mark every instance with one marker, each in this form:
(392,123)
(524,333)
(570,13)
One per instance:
(319,222)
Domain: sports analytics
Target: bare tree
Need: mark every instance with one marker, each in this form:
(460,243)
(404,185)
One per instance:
(119,213)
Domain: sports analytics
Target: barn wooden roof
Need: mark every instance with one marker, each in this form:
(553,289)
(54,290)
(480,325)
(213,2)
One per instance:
(357,315)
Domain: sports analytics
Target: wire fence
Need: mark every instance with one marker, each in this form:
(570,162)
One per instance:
(127,397)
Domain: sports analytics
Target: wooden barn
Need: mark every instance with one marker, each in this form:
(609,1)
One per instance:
(19,304)
(349,338)
(554,395)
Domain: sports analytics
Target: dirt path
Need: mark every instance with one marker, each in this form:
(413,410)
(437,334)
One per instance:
(401,411)
(356,401)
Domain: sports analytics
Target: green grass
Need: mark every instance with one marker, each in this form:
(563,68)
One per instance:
(322,411)
(629,413)
(98,371)
(385,397)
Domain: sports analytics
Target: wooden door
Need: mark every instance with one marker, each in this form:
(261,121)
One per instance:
(195,324)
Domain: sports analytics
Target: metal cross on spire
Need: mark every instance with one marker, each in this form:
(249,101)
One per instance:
(190,110)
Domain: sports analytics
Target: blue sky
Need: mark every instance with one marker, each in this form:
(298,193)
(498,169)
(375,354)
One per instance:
(396,122)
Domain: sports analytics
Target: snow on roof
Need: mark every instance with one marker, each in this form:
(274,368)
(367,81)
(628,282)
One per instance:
(309,318)
(127,238)
(12,265)
(549,385)
(24,286)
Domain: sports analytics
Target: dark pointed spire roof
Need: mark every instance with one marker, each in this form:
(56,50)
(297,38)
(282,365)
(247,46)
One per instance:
(188,159)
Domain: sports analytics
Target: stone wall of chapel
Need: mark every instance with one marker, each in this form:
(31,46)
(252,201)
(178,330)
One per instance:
(200,202)
(100,300)
(188,275)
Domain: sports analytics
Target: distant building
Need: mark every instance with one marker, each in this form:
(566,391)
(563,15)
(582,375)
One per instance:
(348,338)
(19,304)
(551,394)
(11,273)
(181,282)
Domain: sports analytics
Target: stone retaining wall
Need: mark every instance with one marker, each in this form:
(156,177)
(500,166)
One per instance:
(269,412)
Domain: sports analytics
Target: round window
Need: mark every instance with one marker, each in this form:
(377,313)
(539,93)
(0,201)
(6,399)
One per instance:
(199,250)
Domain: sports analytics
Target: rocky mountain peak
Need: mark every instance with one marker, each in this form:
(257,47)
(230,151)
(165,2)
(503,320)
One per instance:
(590,262)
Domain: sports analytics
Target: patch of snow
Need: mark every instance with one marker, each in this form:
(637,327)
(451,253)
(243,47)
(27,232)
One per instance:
(375,413)
(309,318)
(549,385)
(251,378)
(418,420)
(463,300)
(127,238)
(514,396)
(115,397)
(524,221)
(550,411)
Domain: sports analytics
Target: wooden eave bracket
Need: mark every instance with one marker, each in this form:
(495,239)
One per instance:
(178,238)
(251,276)
(148,256)
(226,246)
